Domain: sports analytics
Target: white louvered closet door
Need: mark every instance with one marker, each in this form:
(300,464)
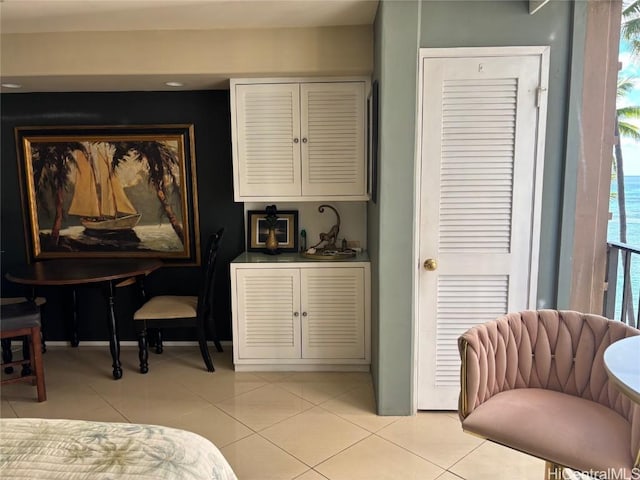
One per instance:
(333,313)
(268,143)
(478,205)
(268,313)
(332,130)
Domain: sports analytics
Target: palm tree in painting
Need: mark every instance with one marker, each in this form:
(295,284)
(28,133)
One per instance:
(51,163)
(164,167)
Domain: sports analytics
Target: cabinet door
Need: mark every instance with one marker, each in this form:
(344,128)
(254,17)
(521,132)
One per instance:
(332,313)
(268,313)
(333,138)
(268,140)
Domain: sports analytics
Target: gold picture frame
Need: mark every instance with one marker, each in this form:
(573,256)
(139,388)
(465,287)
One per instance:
(109,191)
(286,230)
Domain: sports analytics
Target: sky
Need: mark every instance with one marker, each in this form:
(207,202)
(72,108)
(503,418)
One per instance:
(630,148)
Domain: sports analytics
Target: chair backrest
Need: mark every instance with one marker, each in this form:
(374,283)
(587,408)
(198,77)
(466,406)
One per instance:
(205,297)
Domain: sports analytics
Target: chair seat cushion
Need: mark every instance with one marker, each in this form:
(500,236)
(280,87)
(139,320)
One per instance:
(15,316)
(168,306)
(554,426)
(39,301)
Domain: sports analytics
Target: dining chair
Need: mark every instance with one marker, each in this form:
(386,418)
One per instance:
(535,381)
(23,320)
(167,311)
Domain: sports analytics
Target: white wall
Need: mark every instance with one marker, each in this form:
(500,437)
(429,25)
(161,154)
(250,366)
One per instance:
(353,219)
(202,59)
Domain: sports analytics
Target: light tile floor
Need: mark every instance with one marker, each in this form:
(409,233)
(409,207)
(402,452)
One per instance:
(281,426)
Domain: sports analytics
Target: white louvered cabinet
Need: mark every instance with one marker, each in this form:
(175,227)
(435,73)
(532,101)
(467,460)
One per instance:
(299,140)
(291,315)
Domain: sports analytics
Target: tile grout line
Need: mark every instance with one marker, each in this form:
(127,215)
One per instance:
(420,456)
(465,456)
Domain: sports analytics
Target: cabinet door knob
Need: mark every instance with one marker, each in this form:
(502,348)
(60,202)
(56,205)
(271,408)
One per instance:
(304,314)
(295,314)
(295,140)
(304,140)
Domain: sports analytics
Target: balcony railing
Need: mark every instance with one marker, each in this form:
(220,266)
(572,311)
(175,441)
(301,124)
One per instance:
(619,296)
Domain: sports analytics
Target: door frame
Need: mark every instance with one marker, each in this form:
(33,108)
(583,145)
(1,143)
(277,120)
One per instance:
(543,52)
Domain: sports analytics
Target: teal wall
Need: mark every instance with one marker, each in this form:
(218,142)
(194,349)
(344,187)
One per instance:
(402,26)
(391,219)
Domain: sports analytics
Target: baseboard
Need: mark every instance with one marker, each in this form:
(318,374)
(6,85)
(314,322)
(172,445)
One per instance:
(298,367)
(134,343)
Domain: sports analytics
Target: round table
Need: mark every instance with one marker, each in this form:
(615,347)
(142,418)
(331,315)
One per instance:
(622,362)
(103,272)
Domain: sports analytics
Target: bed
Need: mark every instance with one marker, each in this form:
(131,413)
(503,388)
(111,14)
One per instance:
(45,449)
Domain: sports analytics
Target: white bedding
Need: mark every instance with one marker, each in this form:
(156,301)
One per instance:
(45,449)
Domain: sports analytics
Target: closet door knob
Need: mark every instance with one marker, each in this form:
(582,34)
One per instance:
(430,264)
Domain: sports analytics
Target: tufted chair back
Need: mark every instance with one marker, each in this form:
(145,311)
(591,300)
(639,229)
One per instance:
(548,349)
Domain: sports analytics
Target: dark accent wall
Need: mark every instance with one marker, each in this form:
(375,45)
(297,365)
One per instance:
(209,112)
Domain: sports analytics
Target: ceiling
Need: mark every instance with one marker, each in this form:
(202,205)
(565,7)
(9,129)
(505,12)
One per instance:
(90,16)
(31,16)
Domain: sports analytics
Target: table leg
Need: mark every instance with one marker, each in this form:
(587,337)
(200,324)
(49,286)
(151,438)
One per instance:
(114,341)
(73,327)
(143,345)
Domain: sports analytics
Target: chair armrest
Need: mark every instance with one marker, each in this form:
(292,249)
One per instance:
(483,367)
(496,356)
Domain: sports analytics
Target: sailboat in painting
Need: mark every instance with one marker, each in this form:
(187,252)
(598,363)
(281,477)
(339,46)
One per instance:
(99,198)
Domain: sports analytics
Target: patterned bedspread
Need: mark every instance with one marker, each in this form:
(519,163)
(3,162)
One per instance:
(44,449)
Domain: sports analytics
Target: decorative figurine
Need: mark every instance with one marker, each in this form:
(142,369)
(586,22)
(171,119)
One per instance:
(271,219)
(329,251)
(331,236)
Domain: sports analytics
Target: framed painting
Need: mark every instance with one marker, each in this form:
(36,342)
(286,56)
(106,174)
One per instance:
(286,230)
(109,191)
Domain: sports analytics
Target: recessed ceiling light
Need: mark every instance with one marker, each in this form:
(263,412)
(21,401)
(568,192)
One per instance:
(174,84)
(11,85)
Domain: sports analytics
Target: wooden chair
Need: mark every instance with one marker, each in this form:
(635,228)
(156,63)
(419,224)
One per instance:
(23,320)
(7,354)
(6,344)
(183,311)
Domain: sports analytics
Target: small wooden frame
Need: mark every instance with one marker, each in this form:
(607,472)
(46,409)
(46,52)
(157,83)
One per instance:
(286,230)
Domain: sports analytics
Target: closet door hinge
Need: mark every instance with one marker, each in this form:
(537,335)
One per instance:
(540,93)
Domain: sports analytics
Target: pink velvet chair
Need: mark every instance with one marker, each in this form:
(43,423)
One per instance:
(535,381)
